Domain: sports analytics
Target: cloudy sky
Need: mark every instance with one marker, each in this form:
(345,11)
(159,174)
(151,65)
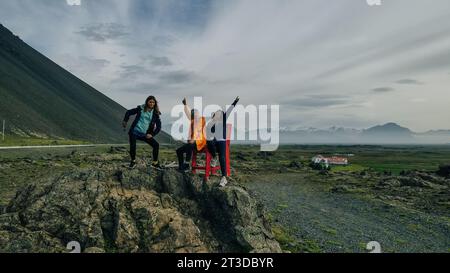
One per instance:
(327,63)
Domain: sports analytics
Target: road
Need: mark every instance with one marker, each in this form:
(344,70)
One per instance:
(71,146)
(44,146)
(56,146)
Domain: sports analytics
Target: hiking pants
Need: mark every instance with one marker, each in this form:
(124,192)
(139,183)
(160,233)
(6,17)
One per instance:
(215,146)
(142,137)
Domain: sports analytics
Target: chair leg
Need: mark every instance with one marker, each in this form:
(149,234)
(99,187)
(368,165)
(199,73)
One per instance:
(212,169)
(207,165)
(227,158)
(194,162)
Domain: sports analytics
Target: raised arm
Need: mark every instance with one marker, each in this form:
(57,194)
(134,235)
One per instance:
(187,110)
(231,108)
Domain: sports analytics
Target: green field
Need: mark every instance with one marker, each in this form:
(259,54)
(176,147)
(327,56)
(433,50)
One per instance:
(379,158)
(339,211)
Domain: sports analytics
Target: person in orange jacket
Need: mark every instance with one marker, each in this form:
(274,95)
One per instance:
(196,139)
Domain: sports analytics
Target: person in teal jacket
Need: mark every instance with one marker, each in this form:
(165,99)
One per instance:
(145,127)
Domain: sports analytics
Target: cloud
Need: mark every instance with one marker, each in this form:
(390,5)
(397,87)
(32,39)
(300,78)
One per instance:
(87,61)
(73,2)
(383,89)
(434,61)
(317,101)
(144,88)
(83,62)
(221,49)
(409,82)
(419,100)
(177,77)
(132,71)
(164,40)
(162,78)
(158,61)
(103,32)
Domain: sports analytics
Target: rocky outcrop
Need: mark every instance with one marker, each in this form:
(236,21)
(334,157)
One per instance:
(237,219)
(118,210)
(444,171)
(415,179)
(420,190)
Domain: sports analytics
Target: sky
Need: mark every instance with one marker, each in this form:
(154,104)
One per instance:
(326,63)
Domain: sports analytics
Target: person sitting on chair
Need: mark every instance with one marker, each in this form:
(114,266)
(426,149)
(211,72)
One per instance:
(196,139)
(217,139)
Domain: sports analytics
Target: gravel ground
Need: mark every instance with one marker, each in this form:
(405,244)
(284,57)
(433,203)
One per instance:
(347,222)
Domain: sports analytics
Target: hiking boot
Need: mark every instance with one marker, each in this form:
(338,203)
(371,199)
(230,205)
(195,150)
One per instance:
(132,165)
(223,181)
(183,167)
(156,165)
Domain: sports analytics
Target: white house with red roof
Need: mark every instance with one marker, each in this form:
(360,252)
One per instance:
(334,160)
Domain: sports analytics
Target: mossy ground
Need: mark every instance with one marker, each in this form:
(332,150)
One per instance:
(338,211)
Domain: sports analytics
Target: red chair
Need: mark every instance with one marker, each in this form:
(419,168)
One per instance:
(207,168)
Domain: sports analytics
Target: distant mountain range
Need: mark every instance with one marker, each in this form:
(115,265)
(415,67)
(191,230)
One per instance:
(38,98)
(390,133)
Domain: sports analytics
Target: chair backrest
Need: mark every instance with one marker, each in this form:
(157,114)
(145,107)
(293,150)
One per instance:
(229,131)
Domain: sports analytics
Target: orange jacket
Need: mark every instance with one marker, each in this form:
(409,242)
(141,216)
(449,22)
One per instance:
(199,133)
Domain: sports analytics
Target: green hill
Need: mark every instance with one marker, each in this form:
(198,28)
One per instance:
(40,99)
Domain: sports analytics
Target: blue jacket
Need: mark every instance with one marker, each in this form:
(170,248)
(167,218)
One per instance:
(154,127)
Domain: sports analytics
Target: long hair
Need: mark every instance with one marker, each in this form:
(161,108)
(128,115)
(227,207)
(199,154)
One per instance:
(193,111)
(156,108)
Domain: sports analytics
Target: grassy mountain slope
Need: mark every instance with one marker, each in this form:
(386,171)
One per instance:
(39,98)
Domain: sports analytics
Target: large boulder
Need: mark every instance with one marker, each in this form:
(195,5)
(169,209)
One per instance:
(98,213)
(119,210)
(444,171)
(237,219)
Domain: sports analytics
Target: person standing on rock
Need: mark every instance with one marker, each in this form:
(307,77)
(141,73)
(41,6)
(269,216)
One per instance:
(217,139)
(196,139)
(145,127)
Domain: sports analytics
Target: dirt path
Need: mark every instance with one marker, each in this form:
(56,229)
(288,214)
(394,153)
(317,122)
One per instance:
(345,222)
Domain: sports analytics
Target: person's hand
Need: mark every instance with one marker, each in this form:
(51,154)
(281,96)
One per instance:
(236,101)
(191,141)
(124,124)
(184,101)
(149,136)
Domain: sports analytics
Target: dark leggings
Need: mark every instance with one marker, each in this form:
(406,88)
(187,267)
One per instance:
(142,137)
(187,149)
(221,147)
